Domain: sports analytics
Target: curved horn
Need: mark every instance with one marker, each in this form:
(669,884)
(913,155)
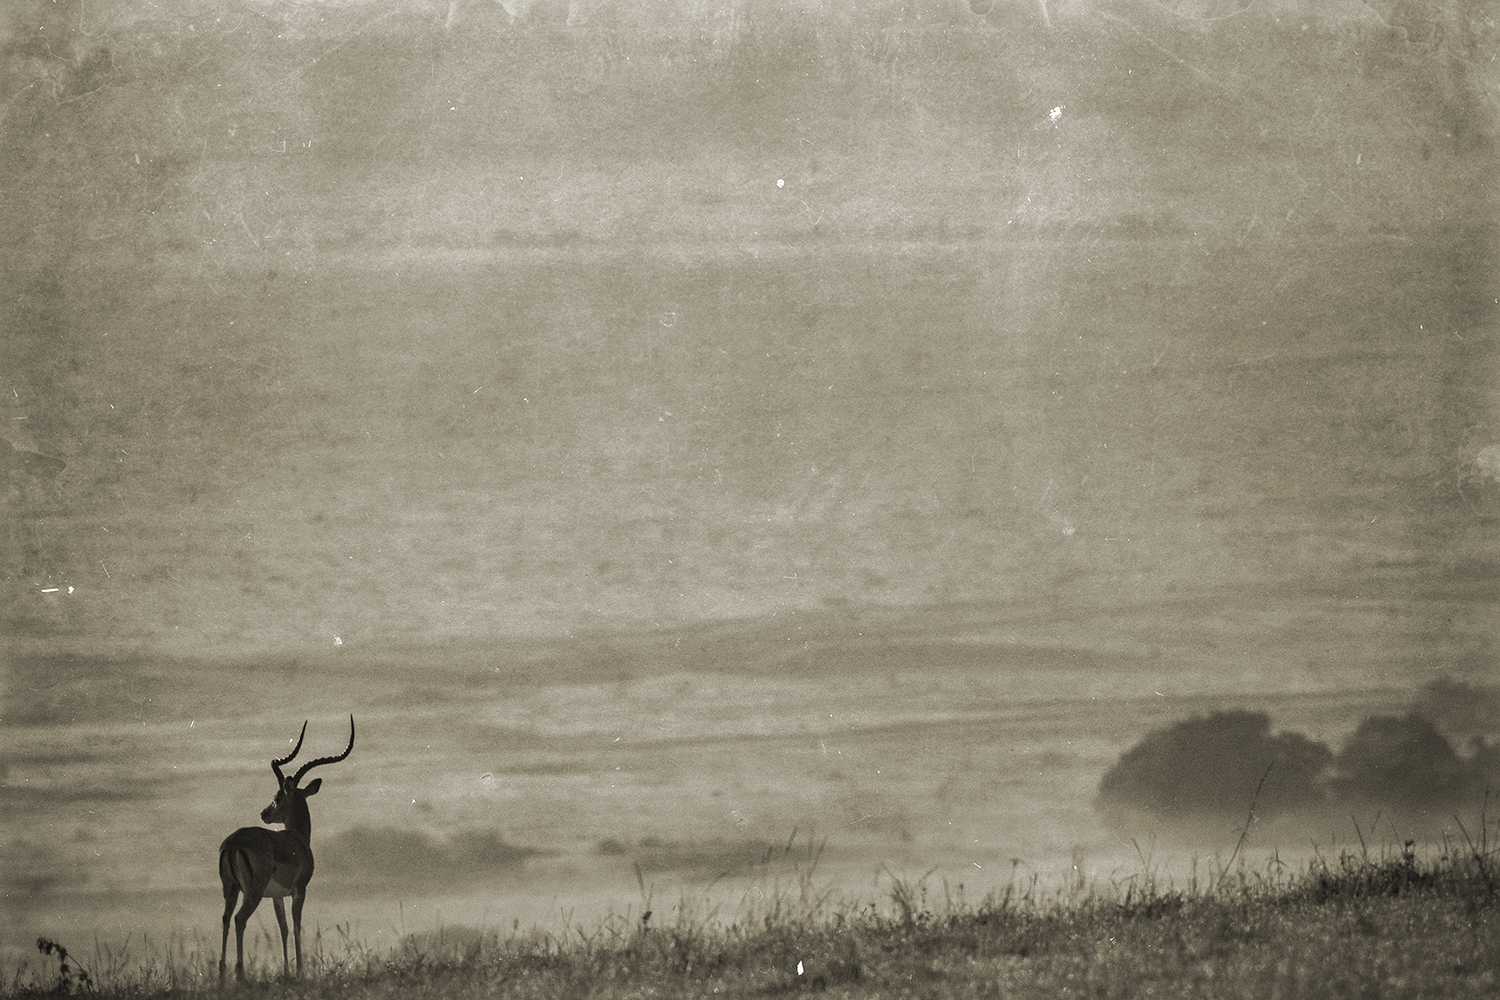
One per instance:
(276,764)
(327,760)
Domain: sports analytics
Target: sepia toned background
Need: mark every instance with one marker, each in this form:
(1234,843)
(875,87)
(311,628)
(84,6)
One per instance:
(702,442)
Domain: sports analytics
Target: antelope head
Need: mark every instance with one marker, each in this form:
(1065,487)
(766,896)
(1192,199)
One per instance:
(289,808)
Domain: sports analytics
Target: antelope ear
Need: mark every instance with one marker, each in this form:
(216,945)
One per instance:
(313,786)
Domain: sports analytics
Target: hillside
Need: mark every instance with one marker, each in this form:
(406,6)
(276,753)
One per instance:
(1357,925)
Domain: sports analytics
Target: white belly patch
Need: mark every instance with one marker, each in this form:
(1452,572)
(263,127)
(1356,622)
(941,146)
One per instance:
(282,878)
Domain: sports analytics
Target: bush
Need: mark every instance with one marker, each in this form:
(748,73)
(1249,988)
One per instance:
(1211,767)
(1402,762)
(1460,708)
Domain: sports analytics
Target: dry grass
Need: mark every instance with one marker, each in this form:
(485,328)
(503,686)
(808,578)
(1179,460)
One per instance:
(1393,925)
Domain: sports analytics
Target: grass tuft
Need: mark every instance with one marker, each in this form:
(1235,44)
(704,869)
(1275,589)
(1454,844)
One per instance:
(71,976)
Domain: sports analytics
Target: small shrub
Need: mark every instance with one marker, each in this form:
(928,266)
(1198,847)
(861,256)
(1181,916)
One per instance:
(70,979)
(1357,877)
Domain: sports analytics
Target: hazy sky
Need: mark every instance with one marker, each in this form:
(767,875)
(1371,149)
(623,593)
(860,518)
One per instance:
(815,360)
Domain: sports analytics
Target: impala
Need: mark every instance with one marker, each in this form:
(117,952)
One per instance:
(276,863)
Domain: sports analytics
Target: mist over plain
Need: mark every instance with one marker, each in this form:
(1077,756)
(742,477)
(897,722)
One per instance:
(698,442)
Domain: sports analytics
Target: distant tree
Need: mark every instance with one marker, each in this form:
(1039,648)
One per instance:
(1458,707)
(1211,766)
(1400,762)
(1484,763)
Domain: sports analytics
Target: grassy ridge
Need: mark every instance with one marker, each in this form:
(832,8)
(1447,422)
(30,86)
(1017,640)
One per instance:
(1359,926)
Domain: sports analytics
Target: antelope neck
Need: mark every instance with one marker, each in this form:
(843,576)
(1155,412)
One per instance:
(298,818)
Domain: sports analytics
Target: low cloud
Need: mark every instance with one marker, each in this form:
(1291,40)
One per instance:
(694,859)
(35,869)
(62,689)
(411,860)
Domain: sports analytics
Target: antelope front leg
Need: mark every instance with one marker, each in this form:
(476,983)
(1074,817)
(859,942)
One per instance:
(297,900)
